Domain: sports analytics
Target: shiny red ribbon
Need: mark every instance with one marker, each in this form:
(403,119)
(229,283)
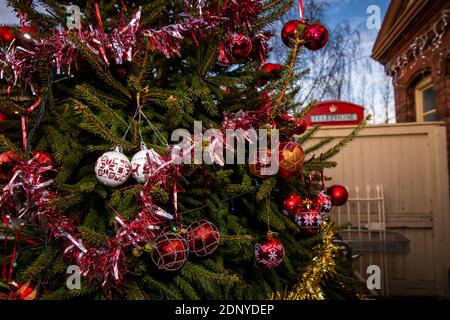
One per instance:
(301,12)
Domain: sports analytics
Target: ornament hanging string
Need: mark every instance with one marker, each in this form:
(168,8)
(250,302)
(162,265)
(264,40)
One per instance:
(301,10)
(99,18)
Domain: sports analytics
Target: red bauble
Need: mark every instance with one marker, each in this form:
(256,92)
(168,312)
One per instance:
(291,203)
(316,37)
(203,238)
(170,252)
(338,195)
(269,252)
(6,34)
(223,60)
(291,31)
(3,116)
(238,46)
(42,157)
(308,218)
(300,128)
(291,159)
(271,71)
(25,291)
(322,202)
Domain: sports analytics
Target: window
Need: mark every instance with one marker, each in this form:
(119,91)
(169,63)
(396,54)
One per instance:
(425,101)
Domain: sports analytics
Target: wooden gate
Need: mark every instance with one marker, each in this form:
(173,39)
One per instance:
(410,162)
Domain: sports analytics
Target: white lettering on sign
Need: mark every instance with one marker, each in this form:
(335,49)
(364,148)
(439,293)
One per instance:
(334,117)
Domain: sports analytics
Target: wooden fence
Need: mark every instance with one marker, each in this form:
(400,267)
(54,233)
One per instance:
(397,176)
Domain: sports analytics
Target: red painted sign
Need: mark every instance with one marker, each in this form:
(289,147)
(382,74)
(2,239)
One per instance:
(335,113)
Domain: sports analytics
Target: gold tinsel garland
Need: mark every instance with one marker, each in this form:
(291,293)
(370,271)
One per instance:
(322,267)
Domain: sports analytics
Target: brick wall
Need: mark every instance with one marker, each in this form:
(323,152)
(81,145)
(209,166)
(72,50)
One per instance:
(436,64)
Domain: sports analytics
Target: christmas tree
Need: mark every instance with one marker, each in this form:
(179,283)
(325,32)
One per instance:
(89,85)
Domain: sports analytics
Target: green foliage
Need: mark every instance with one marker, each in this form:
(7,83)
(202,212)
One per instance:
(90,113)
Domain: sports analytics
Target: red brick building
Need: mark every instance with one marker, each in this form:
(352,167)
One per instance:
(414,47)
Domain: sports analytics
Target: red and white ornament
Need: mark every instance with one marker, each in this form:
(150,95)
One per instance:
(322,202)
(238,46)
(203,238)
(170,252)
(223,60)
(269,252)
(300,127)
(145,163)
(113,168)
(308,218)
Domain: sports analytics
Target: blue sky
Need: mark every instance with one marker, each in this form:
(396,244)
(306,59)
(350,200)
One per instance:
(353,11)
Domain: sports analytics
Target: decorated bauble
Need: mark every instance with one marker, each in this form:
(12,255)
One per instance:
(145,163)
(338,195)
(238,46)
(113,168)
(291,30)
(316,37)
(269,252)
(25,291)
(291,203)
(6,34)
(308,218)
(291,159)
(322,202)
(300,128)
(262,168)
(170,252)
(203,238)
(42,157)
(223,60)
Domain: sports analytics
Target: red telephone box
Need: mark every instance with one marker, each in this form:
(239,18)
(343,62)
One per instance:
(335,113)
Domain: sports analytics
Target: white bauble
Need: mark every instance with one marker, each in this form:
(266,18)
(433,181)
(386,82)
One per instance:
(145,163)
(113,168)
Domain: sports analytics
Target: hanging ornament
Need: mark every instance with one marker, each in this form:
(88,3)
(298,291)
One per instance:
(300,128)
(24,291)
(338,195)
(322,202)
(316,37)
(308,217)
(270,71)
(223,60)
(6,34)
(145,163)
(291,30)
(291,203)
(203,238)
(264,160)
(269,252)
(113,168)
(238,46)
(170,252)
(291,159)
